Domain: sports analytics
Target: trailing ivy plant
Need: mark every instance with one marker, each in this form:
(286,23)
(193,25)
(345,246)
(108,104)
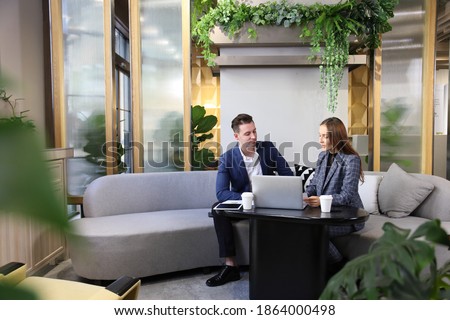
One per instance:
(200,8)
(326,27)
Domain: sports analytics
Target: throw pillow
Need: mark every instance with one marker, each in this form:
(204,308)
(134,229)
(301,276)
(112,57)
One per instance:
(400,193)
(368,191)
(307,173)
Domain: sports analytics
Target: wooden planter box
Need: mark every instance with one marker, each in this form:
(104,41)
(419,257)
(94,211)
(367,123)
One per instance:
(269,36)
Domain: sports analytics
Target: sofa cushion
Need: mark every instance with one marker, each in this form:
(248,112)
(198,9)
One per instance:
(307,173)
(368,191)
(400,193)
(437,200)
(149,243)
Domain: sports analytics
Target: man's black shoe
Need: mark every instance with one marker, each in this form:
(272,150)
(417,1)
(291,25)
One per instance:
(227,274)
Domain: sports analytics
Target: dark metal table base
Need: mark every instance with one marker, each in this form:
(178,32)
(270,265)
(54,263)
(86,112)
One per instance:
(287,259)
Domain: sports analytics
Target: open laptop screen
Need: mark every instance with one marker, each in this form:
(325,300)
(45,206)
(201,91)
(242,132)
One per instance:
(281,192)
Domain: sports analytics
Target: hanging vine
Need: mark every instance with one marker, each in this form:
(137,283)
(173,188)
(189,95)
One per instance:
(326,27)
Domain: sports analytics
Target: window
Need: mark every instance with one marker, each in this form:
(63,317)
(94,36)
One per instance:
(123,110)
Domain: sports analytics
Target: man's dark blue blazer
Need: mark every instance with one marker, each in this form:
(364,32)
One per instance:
(232,177)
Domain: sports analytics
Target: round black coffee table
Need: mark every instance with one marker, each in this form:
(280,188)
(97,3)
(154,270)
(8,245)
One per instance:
(289,249)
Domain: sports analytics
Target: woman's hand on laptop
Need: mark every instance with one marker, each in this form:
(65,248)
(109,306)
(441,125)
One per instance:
(313,201)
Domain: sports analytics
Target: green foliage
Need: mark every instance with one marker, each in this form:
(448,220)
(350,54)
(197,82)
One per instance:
(95,134)
(392,130)
(14,121)
(399,265)
(374,16)
(8,292)
(332,30)
(201,124)
(327,26)
(25,182)
(171,128)
(199,8)
(26,187)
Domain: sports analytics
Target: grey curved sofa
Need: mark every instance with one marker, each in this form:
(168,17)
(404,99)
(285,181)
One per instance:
(434,206)
(148,223)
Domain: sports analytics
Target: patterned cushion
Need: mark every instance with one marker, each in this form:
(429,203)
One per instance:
(305,172)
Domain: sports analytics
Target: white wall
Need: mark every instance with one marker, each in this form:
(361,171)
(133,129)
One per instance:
(21,54)
(287,105)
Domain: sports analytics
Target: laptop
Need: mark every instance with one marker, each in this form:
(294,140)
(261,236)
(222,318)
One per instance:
(281,192)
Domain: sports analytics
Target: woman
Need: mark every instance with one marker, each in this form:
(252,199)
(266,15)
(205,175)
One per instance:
(338,172)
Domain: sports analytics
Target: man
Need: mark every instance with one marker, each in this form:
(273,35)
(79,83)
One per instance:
(236,167)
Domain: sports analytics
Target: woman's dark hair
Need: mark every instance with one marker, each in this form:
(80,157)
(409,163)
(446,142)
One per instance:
(337,133)
(242,118)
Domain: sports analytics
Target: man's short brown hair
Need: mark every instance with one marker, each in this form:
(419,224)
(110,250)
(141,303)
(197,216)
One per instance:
(242,118)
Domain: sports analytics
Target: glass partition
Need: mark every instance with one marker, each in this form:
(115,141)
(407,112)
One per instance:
(401,89)
(84,79)
(162,84)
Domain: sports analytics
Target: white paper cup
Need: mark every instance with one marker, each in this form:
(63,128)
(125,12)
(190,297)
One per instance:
(247,200)
(325,203)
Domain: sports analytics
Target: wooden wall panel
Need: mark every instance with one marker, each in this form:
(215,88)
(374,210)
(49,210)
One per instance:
(205,89)
(358,100)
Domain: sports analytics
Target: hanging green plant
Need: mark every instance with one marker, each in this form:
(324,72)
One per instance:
(326,27)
